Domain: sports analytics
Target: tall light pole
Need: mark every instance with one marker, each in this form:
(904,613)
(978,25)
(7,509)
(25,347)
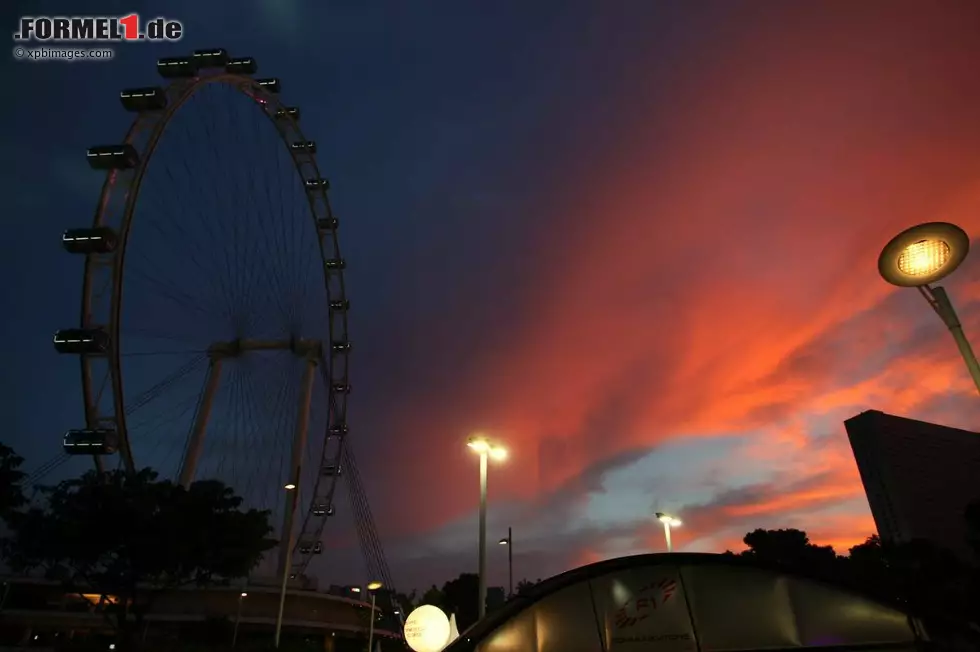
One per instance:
(509,542)
(926,254)
(669,522)
(238,618)
(293,488)
(372,588)
(486,450)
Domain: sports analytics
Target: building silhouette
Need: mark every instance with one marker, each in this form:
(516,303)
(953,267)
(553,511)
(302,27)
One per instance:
(918,476)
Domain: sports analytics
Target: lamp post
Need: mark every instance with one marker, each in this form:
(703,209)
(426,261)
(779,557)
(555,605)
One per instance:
(486,450)
(926,254)
(509,542)
(292,488)
(669,522)
(372,588)
(238,618)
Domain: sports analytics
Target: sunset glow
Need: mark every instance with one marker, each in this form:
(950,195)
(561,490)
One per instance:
(634,243)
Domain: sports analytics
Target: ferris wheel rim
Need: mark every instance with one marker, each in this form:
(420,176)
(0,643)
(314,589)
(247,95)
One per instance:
(181,91)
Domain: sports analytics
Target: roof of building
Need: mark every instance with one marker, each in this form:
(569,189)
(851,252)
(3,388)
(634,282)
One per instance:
(706,600)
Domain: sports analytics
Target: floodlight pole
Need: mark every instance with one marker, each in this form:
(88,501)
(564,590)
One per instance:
(510,561)
(371,626)
(482,593)
(939,300)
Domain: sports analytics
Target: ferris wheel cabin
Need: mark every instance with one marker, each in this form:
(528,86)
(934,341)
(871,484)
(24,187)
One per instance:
(91,442)
(150,98)
(97,240)
(91,341)
(112,157)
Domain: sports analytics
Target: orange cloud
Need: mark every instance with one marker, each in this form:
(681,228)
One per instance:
(717,274)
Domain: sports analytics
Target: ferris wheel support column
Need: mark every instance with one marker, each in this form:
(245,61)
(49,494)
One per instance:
(196,443)
(299,445)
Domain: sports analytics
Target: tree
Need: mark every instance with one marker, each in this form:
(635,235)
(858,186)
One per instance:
(434,597)
(461,597)
(11,479)
(868,567)
(524,587)
(496,597)
(790,548)
(405,602)
(131,537)
(928,580)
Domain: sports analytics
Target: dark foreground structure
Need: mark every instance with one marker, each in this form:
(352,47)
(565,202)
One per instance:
(690,602)
(918,476)
(41,614)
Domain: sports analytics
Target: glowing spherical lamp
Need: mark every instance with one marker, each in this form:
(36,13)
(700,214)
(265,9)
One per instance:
(923,254)
(427,629)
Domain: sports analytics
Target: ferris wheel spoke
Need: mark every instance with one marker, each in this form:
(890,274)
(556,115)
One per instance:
(221,256)
(151,423)
(174,295)
(206,272)
(251,212)
(286,229)
(278,254)
(162,203)
(303,289)
(243,216)
(154,335)
(277,426)
(159,430)
(103,385)
(183,183)
(255,424)
(155,391)
(221,442)
(246,434)
(238,193)
(169,199)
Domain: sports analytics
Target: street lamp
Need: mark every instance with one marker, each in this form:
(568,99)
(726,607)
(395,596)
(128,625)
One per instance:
(238,617)
(926,254)
(372,588)
(288,557)
(509,542)
(669,522)
(486,449)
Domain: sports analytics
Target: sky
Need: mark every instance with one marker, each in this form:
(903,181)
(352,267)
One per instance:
(634,241)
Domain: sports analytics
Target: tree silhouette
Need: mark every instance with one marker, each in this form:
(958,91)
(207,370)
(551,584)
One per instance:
(461,597)
(11,479)
(926,579)
(524,587)
(496,597)
(434,597)
(131,537)
(790,548)
(406,601)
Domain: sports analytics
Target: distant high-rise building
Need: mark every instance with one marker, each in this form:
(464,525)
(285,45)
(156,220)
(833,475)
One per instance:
(919,477)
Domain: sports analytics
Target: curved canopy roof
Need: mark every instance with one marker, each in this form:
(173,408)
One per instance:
(688,602)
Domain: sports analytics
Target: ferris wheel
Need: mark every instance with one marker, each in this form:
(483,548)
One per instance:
(213,337)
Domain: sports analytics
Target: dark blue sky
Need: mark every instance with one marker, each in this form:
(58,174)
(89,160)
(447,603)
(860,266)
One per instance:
(537,201)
